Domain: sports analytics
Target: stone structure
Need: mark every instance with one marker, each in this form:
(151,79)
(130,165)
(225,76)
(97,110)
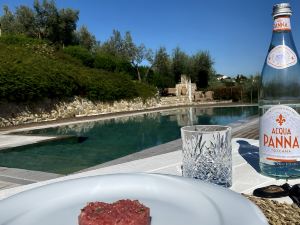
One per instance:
(188,89)
(185,87)
(81,107)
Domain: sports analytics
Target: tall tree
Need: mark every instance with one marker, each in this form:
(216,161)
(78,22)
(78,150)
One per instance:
(8,21)
(162,68)
(179,63)
(114,45)
(201,68)
(55,25)
(25,21)
(85,38)
(40,18)
(135,54)
(149,56)
(162,64)
(126,49)
(44,21)
(67,25)
(52,21)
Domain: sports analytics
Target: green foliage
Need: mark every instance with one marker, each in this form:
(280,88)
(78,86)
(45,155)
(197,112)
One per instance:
(100,60)
(105,62)
(28,75)
(44,21)
(21,40)
(228,93)
(201,68)
(85,39)
(126,51)
(112,63)
(160,81)
(24,20)
(180,63)
(250,87)
(106,86)
(162,77)
(82,54)
(7,21)
(242,90)
(167,71)
(144,90)
(162,63)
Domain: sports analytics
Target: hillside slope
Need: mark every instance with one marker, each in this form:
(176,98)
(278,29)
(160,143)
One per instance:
(32,70)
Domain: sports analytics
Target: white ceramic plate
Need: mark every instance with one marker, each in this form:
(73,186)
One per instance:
(172,200)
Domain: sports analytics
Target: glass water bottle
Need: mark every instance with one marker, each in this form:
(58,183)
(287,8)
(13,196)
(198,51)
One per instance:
(279,101)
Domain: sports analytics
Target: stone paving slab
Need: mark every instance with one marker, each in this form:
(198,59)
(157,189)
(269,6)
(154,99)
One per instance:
(13,177)
(29,175)
(6,185)
(10,141)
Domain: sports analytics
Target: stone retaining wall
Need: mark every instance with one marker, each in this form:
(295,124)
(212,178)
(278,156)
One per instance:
(80,107)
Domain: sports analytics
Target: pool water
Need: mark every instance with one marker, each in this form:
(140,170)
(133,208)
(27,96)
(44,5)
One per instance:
(105,140)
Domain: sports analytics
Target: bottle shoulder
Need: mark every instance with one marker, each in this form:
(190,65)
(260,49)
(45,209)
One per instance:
(282,38)
(282,56)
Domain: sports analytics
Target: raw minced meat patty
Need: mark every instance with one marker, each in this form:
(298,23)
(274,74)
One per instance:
(122,212)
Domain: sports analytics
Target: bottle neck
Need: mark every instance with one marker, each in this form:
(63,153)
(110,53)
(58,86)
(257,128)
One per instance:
(282,24)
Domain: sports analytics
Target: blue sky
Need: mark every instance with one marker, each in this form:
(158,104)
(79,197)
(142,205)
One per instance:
(237,33)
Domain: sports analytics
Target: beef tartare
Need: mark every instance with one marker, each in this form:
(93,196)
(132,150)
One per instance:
(122,212)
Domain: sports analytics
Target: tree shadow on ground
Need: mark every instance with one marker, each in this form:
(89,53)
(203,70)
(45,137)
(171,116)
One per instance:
(250,153)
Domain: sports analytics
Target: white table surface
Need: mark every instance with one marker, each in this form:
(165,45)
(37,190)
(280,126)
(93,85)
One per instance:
(245,176)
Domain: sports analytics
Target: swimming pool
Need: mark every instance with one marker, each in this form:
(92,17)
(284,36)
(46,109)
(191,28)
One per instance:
(109,139)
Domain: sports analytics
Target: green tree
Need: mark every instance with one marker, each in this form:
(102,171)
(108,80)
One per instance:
(67,26)
(180,61)
(162,68)
(162,64)
(114,45)
(149,56)
(251,88)
(52,30)
(8,21)
(25,21)
(55,25)
(126,50)
(135,54)
(44,21)
(40,18)
(201,68)
(85,38)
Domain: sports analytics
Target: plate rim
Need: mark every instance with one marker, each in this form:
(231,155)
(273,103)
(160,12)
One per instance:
(194,183)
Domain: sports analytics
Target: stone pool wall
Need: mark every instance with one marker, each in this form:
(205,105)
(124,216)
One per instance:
(80,107)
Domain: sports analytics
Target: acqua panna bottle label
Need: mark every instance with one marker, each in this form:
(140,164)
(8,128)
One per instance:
(282,24)
(279,134)
(281,57)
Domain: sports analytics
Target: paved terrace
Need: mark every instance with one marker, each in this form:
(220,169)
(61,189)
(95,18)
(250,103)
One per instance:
(12,177)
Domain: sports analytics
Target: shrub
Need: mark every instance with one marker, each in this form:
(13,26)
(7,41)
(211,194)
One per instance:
(21,40)
(28,76)
(228,93)
(113,64)
(82,54)
(105,62)
(144,90)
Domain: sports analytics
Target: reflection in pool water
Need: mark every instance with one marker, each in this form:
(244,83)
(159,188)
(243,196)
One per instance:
(113,138)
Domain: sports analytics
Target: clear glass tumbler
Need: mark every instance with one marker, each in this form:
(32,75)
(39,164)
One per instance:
(207,153)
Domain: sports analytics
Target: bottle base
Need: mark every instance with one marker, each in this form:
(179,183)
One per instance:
(281,170)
